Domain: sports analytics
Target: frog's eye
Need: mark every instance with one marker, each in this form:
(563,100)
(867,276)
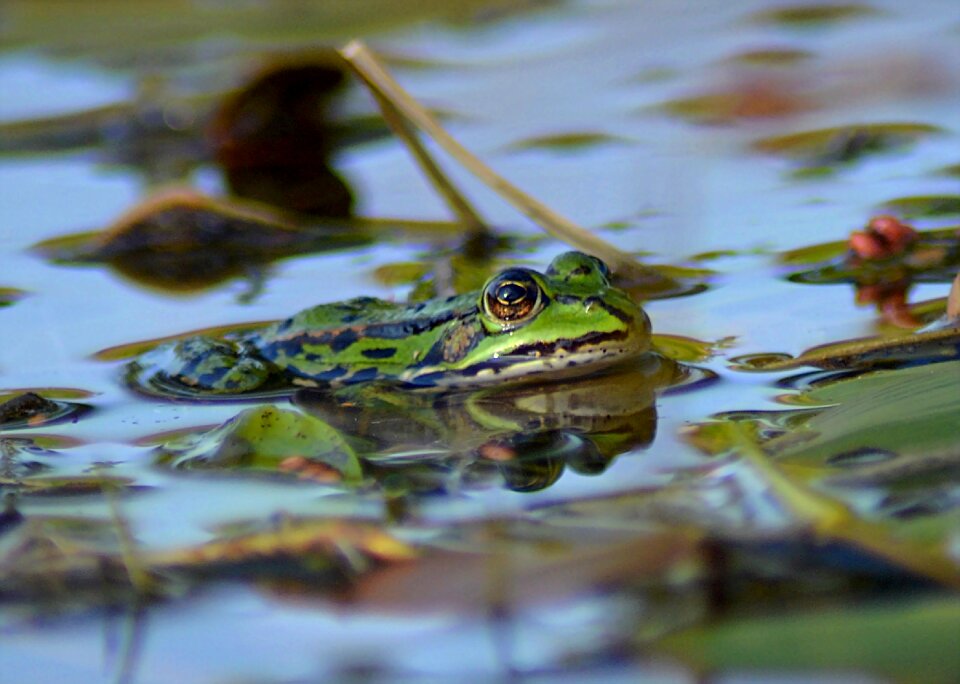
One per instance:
(512,297)
(577,267)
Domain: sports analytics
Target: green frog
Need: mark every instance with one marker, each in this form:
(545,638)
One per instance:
(521,325)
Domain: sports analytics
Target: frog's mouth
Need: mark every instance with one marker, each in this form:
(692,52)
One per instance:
(540,360)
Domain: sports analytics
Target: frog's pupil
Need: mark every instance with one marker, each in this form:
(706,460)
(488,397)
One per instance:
(511,293)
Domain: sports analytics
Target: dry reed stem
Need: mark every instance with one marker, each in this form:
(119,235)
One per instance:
(953,300)
(372,72)
(457,202)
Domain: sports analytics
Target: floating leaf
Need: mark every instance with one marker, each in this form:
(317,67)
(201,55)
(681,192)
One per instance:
(181,240)
(401,273)
(901,411)
(830,147)
(933,257)
(75,485)
(684,349)
(567,142)
(922,347)
(815,253)
(909,641)
(286,546)
(926,207)
(754,99)
(9,295)
(770,57)
(813,14)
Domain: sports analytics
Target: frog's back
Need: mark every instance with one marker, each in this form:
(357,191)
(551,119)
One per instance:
(359,339)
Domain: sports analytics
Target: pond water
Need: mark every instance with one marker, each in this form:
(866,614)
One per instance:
(678,181)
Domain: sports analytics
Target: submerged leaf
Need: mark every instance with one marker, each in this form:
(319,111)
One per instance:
(268,439)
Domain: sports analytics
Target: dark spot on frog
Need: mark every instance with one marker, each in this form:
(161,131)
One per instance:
(453,345)
(343,340)
(332,374)
(384,353)
(364,375)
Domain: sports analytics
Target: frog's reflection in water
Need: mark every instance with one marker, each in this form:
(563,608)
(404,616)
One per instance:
(521,437)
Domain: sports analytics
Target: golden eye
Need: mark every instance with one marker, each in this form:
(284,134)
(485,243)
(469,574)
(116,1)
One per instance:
(512,297)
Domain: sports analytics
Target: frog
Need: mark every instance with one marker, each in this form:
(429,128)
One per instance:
(522,324)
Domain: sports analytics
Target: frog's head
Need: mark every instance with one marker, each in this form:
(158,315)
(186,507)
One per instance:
(567,321)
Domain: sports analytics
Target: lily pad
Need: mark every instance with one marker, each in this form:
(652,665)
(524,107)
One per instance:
(267,439)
